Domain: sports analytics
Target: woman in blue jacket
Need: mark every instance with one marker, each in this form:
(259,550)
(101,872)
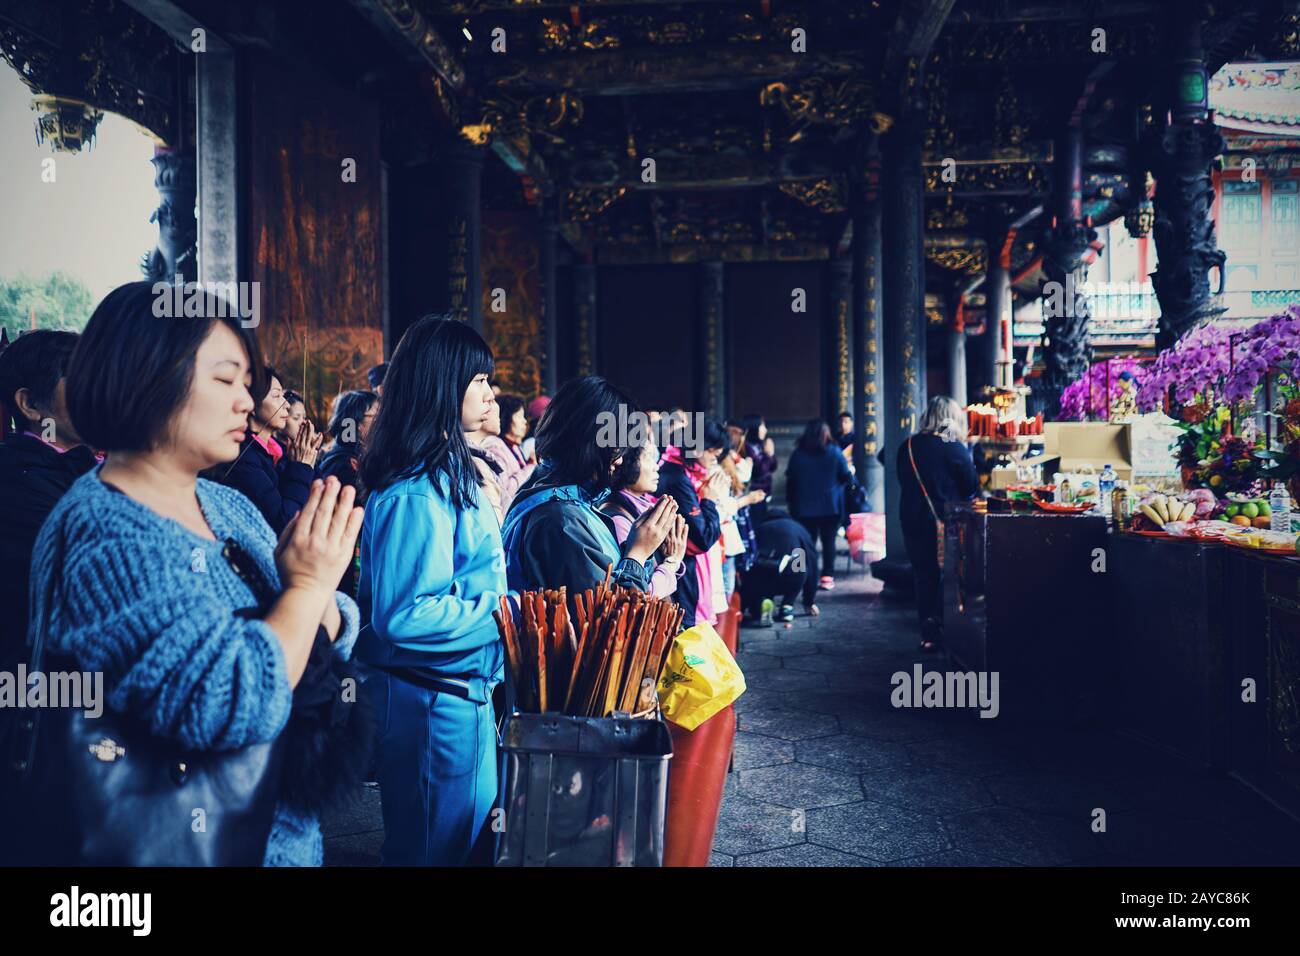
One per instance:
(431,576)
(815,478)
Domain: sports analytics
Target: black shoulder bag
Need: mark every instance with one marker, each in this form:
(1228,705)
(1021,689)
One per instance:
(106,791)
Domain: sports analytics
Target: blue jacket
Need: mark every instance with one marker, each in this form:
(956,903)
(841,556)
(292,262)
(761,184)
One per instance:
(431,576)
(152,605)
(555,537)
(815,481)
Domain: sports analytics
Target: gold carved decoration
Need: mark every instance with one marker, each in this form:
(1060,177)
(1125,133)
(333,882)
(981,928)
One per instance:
(970,261)
(947,216)
(675,32)
(824,195)
(591,35)
(583,205)
(519,121)
(820,101)
(476,133)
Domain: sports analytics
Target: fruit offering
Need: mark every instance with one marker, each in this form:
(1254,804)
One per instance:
(1160,510)
(1247,512)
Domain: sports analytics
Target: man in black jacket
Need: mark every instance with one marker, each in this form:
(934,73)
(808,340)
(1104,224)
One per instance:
(785,565)
(680,471)
(40,458)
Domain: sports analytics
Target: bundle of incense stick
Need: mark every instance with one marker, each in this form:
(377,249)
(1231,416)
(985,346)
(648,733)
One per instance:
(606,659)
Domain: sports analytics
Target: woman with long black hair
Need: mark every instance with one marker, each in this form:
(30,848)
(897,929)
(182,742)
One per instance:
(554,534)
(761,450)
(431,576)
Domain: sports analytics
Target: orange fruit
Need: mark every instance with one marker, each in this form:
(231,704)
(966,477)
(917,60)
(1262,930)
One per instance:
(1262,521)
(1241,520)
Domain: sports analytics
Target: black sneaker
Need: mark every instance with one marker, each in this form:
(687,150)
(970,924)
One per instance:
(785,615)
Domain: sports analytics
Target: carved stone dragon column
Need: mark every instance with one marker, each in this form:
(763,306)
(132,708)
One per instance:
(1183,159)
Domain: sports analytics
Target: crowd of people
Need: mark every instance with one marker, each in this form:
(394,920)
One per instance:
(149,448)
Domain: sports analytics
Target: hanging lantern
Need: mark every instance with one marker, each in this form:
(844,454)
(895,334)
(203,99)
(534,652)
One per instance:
(1142,218)
(66,123)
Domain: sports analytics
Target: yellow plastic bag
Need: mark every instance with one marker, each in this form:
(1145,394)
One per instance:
(699,678)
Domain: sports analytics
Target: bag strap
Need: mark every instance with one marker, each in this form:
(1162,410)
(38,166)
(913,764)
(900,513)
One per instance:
(916,471)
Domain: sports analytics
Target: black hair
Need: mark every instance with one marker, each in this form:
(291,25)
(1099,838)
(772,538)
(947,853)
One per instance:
(350,407)
(752,423)
(375,375)
(292,398)
(712,435)
(816,436)
(846,414)
(509,405)
(628,473)
(34,361)
(418,428)
(133,368)
(567,435)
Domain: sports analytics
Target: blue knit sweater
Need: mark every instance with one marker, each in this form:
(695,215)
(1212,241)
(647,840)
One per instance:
(151,604)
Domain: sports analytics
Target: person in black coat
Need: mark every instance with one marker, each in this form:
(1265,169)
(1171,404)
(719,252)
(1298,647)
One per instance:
(683,470)
(275,479)
(944,473)
(785,566)
(815,478)
(554,534)
(350,422)
(40,458)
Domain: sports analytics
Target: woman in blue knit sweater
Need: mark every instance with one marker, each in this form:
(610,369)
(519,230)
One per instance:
(141,589)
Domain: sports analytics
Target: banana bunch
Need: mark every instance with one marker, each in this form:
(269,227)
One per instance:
(1163,509)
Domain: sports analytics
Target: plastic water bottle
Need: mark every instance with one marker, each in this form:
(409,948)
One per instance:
(1105,487)
(1279,504)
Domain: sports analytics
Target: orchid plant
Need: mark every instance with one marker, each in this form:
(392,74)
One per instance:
(1088,397)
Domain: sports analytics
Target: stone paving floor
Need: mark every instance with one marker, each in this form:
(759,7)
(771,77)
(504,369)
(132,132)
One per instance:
(828,773)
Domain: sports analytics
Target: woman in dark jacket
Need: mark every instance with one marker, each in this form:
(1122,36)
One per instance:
(684,475)
(760,448)
(554,535)
(37,465)
(934,468)
(816,476)
(350,422)
(276,479)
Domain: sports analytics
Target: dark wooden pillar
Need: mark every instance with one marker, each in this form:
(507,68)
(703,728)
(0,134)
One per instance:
(839,307)
(462,175)
(584,317)
(903,266)
(713,382)
(867,401)
(550,231)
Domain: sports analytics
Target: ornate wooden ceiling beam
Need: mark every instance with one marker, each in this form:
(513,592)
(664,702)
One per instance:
(620,254)
(413,35)
(917,27)
(710,171)
(1036,11)
(655,72)
(471,7)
